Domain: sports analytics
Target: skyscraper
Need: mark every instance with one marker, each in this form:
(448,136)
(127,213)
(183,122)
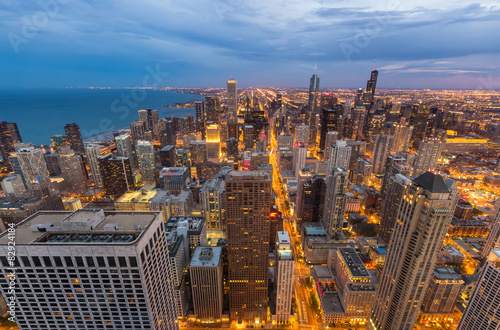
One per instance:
(212,109)
(423,217)
(428,155)
(334,208)
(418,118)
(150,118)
(402,136)
(232,99)
(371,84)
(74,137)
(329,119)
(112,271)
(124,147)
(299,157)
(482,309)
(9,134)
(358,120)
(116,174)
(302,134)
(213,201)
(340,156)
(207,288)
(146,159)
(382,149)
(248,137)
(199,107)
(93,152)
(444,289)
(493,239)
(331,139)
(395,164)
(137,129)
(72,171)
(284,277)
(248,204)
(313,93)
(34,170)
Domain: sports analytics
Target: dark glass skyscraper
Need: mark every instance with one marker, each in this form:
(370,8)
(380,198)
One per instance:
(74,137)
(313,93)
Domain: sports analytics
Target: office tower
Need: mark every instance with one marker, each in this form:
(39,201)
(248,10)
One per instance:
(205,272)
(493,239)
(74,137)
(124,147)
(150,118)
(423,216)
(232,98)
(283,277)
(395,164)
(371,84)
(365,168)
(356,285)
(72,171)
(167,156)
(186,140)
(313,93)
(137,129)
(335,199)
(402,136)
(199,152)
(53,164)
(182,158)
(328,101)
(374,126)
(262,142)
(116,174)
(445,286)
(285,141)
(13,185)
(304,176)
(9,134)
(174,179)
(313,131)
(248,136)
(212,109)
(302,134)
(213,201)
(428,155)
(93,152)
(340,156)
(57,141)
(166,132)
(232,148)
(418,118)
(186,125)
(171,205)
(299,158)
(34,170)
(313,200)
(329,119)
(358,121)
(146,159)
(331,139)
(248,202)
(382,149)
(199,107)
(482,309)
(83,248)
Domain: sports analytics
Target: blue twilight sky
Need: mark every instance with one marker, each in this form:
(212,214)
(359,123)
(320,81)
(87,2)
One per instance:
(201,43)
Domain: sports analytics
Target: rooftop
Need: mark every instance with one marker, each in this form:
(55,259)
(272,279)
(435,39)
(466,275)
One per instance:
(446,273)
(137,196)
(353,262)
(206,256)
(431,182)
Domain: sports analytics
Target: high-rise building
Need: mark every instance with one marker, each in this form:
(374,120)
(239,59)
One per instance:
(248,138)
(365,168)
(445,287)
(284,277)
(358,121)
(371,85)
(53,163)
(232,148)
(213,201)
(340,156)
(93,152)
(402,136)
(374,125)
(124,147)
(493,239)
(302,134)
(232,99)
(74,137)
(331,139)
(116,174)
(166,132)
(174,179)
(423,217)
(329,118)
(356,285)
(13,185)
(199,107)
(199,153)
(335,199)
(418,118)
(428,155)
(313,200)
(313,94)
(167,156)
(313,131)
(9,134)
(395,164)
(285,141)
(482,309)
(150,118)
(207,288)
(248,204)
(146,159)
(57,141)
(34,170)
(212,109)
(72,171)
(382,149)
(137,129)
(299,157)
(115,260)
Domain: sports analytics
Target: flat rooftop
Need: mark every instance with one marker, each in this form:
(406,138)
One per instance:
(137,196)
(353,262)
(206,256)
(43,227)
(446,273)
(330,302)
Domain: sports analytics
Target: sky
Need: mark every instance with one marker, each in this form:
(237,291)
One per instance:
(443,44)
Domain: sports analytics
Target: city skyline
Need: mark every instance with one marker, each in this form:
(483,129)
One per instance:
(260,44)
